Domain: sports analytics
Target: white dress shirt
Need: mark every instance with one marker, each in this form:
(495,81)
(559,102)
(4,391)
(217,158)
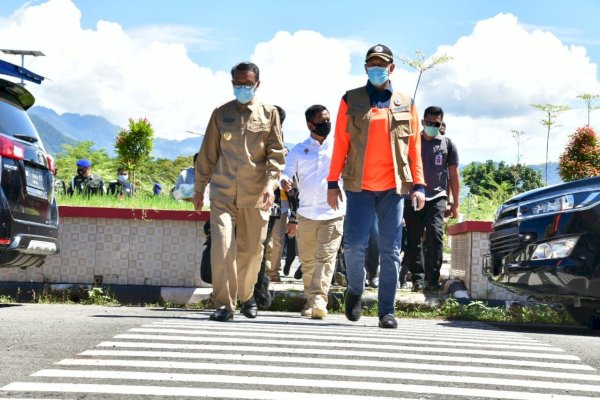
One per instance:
(310,161)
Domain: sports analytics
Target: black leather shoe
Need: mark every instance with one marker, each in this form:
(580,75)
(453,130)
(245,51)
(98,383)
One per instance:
(249,309)
(222,315)
(387,321)
(298,273)
(433,288)
(417,287)
(353,306)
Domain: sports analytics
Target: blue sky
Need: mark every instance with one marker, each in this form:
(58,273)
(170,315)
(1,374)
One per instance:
(310,52)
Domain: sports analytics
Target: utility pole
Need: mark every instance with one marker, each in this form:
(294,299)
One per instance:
(23,53)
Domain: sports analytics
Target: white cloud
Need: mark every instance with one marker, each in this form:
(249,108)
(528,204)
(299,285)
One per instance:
(110,72)
(496,72)
(305,68)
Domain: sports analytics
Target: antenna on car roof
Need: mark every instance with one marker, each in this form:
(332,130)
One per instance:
(7,68)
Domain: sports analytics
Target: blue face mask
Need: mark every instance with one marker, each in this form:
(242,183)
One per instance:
(244,93)
(378,75)
(122,178)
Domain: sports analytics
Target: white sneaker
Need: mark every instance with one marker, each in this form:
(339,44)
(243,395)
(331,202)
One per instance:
(319,312)
(306,312)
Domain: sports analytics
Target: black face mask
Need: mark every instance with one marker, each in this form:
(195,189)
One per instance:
(80,171)
(322,129)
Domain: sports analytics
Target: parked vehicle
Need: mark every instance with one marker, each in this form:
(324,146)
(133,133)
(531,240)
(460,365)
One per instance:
(28,210)
(546,243)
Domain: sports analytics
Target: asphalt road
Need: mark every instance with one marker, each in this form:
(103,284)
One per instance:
(91,352)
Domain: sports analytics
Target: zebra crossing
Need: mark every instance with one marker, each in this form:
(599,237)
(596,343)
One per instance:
(282,356)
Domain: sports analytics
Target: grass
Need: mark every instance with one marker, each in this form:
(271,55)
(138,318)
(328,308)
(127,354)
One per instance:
(449,309)
(148,202)
(86,296)
(6,299)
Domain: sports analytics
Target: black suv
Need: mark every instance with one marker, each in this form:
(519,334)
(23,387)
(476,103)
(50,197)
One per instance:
(28,210)
(546,244)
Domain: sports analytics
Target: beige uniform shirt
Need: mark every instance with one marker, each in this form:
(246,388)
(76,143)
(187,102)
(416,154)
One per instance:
(242,152)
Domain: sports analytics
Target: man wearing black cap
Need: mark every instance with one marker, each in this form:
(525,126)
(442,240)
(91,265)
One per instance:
(85,182)
(377,152)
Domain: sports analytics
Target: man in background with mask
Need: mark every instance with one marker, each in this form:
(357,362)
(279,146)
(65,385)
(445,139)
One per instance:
(440,166)
(378,153)
(85,182)
(121,187)
(319,229)
(242,155)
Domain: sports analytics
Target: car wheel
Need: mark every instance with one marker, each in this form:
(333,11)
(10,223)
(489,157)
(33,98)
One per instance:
(589,317)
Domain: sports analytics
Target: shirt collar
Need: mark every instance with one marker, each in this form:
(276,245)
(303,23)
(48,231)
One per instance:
(372,89)
(251,105)
(314,142)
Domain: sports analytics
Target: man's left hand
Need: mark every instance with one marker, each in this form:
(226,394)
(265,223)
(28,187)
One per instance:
(292,230)
(268,198)
(452,211)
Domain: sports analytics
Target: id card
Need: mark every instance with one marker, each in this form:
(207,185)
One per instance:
(438,159)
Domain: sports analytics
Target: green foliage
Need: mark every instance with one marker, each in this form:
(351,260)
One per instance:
(160,170)
(164,171)
(4,299)
(479,311)
(134,145)
(100,297)
(483,179)
(581,158)
(480,208)
(66,161)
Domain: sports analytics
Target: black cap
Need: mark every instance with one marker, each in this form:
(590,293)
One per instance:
(381,51)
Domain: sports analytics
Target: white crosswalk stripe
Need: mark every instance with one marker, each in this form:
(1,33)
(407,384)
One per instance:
(283,357)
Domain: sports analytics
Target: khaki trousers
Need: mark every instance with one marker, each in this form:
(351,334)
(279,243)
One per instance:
(236,251)
(318,243)
(274,247)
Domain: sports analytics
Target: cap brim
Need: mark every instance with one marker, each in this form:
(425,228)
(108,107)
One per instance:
(383,56)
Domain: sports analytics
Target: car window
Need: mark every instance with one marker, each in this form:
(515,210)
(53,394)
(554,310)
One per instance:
(16,121)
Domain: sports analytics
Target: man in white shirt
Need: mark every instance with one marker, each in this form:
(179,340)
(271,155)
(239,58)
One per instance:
(319,227)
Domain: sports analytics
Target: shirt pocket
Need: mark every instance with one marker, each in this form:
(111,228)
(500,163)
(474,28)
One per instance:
(256,135)
(400,125)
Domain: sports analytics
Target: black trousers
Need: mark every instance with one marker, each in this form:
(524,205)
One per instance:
(424,254)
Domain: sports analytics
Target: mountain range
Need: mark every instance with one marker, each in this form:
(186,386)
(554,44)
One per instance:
(69,128)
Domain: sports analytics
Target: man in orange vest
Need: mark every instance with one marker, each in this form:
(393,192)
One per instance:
(377,152)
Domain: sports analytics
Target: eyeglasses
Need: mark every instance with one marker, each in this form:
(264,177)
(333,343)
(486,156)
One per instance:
(248,86)
(434,124)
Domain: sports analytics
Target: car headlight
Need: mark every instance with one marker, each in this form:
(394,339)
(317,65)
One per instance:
(559,248)
(547,206)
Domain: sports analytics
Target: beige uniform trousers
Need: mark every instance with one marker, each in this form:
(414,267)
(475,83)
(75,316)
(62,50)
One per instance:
(236,251)
(318,243)
(274,247)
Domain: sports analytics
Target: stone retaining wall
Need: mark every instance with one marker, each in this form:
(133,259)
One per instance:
(122,247)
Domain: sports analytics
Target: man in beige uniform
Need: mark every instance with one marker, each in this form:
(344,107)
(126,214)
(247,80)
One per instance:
(242,155)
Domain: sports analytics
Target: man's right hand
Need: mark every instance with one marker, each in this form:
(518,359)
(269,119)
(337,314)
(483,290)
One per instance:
(198,200)
(334,196)
(286,184)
